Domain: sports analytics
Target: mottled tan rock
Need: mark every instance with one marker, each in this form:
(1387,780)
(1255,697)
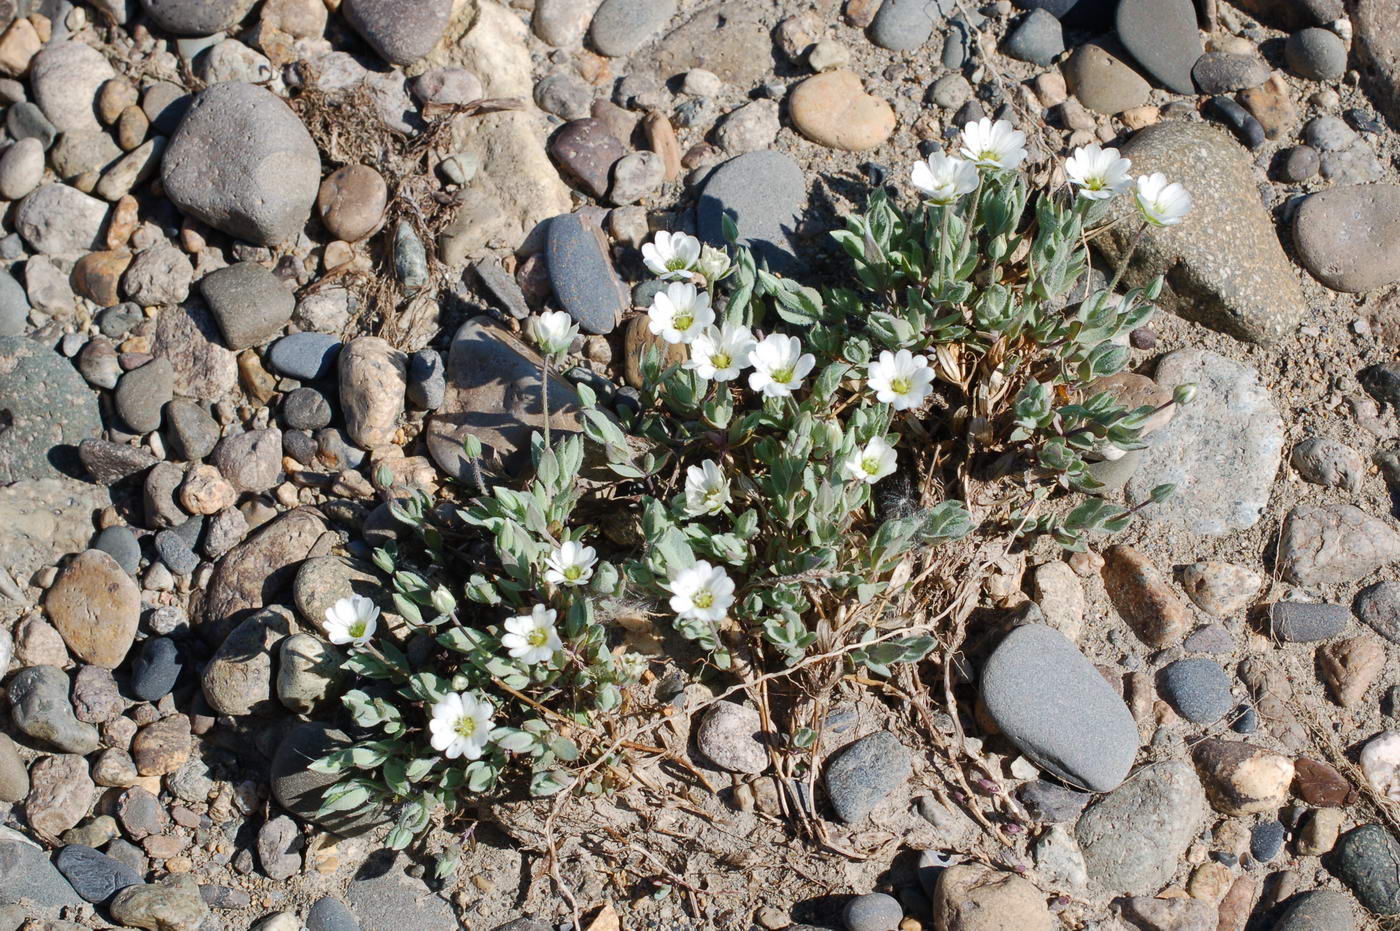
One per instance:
(96,606)
(1240,779)
(1220,589)
(261,569)
(1350,666)
(833,109)
(1144,597)
(973,898)
(60,794)
(205,491)
(373,379)
(163,746)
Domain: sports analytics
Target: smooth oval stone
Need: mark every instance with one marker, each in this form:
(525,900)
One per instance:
(1318,910)
(1103,82)
(156,670)
(1198,688)
(765,194)
(1133,839)
(903,25)
(833,109)
(1303,622)
(401,31)
(1162,36)
(1228,270)
(304,356)
(269,167)
(582,274)
(1349,237)
(620,27)
(196,17)
(1051,702)
(863,773)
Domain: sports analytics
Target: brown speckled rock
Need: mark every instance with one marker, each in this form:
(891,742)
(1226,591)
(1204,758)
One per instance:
(96,606)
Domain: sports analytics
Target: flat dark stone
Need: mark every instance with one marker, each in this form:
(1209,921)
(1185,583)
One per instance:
(765,194)
(1162,36)
(582,275)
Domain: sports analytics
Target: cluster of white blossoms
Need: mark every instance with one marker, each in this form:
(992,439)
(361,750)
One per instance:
(681,313)
(1098,173)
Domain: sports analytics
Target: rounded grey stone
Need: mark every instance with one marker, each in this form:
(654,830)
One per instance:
(1366,858)
(306,409)
(1133,839)
(1305,622)
(196,17)
(765,193)
(1318,910)
(41,709)
(874,911)
(268,168)
(904,25)
(729,736)
(401,31)
(1162,36)
(48,409)
(1198,688)
(620,27)
(1221,451)
(860,775)
(94,875)
(1378,606)
(156,670)
(330,914)
(304,356)
(1316,54)
(582,274)
(1051,702)
(142,393)
(250,303)
(1038,38)
(121,544)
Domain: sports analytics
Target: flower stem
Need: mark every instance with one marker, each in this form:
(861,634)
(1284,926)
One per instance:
(544,396)
(1127,257)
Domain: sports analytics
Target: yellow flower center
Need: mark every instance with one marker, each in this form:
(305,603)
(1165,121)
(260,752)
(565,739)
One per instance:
(572,573)
(720,360)
(782,376)
(901,385)
(704,599)
(683,320)
(870,464)
(538,637)
(466,726)
(357,630)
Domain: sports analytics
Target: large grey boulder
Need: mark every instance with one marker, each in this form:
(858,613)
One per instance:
(242,162)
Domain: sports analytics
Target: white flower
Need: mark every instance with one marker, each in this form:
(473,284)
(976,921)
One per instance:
(719,354)
(873,463)
(713,265)
(352,620)
(706,489)
(1162,204)
(1099,173)
(900,379)
(680,313)
(461,725)
(702,592)
(993,145)
(671,255)
(553,331)
(944,178)
(570,564)
(779,365)
(532,637)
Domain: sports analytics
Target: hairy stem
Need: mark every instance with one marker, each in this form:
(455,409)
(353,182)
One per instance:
(1127,257)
